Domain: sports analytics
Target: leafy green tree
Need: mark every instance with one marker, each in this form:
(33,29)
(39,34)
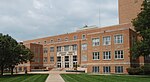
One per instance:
(142,27)
(12,53)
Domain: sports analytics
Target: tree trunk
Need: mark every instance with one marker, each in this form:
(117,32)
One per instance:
(2,70)
(12,67)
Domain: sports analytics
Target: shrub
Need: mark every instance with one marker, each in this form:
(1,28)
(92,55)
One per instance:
(135,71)
(146,69)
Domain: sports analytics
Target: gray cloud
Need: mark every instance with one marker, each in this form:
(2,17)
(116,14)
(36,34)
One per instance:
(30,19)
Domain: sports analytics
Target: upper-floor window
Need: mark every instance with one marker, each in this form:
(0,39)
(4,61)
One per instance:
(119,54)
(66,48)
(118,39)
(45,50)
(45,59)
(51,49)
(95,55)
(52,59)
(75,37)
(95,41)
(66,39)
(59,39)
(74,47)
(58,48)
(51,41)
(66,58)
(59,59)
(74,58)
(84,46)
(107,55)
(106,40)
(44,42)
(83,36)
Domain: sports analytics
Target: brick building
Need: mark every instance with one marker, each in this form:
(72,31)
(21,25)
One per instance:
(99,50)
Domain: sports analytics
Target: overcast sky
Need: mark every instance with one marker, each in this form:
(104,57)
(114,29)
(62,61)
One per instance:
(30,19)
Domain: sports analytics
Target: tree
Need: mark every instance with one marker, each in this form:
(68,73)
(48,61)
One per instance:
(142,27)
(12,53)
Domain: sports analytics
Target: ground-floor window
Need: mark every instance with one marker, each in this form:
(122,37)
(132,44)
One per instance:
(59,65)
(119,69)
(106,69)
(74,64)
(66,64)
(20,68)
(95,69)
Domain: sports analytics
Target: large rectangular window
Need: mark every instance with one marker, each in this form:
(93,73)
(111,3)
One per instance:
(45,50)
(66,48)
(52,59)
(106,40)
(84,46)
(118,69)
(106,69)
(59,65)
(119,54)
(66,64)
(74,58)
(74,47)
(118,39)
(58,48)
(66,58)
(51,49)
(75,37)
(83,37)
(58,59)
(107,55)
(95,55)
(95,41)
(45,59)
(95,69)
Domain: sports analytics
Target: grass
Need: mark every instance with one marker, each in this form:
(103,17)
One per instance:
(103,78)
(24,78)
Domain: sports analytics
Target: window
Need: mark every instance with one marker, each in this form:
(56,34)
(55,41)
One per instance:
(66,48)
(58,59)
(52,59)
(118,39)
(75,37)
(83,37)
(95,55)
(51,41)
(45,59)
(107,55)
(66,58)
(59,39)
(59,65)
(66,39)
(118,69)
(51,49)
(84,58)
(45,50)
(58,48)
(75,64)
(95,41)
(95,69)
(84,46)
(106,69)
(74,47)
(74,58)
(106,40)
(66,64)
(119,54)
(44,42)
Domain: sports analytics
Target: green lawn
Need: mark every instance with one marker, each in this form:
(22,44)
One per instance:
(103,78)
(24,78)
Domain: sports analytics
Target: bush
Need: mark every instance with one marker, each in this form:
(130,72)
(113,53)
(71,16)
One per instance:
(135,71)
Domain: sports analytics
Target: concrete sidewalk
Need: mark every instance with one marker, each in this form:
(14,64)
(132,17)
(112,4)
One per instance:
(54,78)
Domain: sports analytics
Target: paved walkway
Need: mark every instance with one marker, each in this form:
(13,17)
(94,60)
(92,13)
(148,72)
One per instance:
(54,78)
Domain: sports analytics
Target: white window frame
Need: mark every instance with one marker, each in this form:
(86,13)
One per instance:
(83,36)
(95,69)
(119,69)
(119,56)
(84,46)
(118,39)
(96,55)
(107,41)
(107,55)
(106,69)
(75,37)
(95,41)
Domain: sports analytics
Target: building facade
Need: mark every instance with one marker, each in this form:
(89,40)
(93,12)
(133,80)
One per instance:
(99,50)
